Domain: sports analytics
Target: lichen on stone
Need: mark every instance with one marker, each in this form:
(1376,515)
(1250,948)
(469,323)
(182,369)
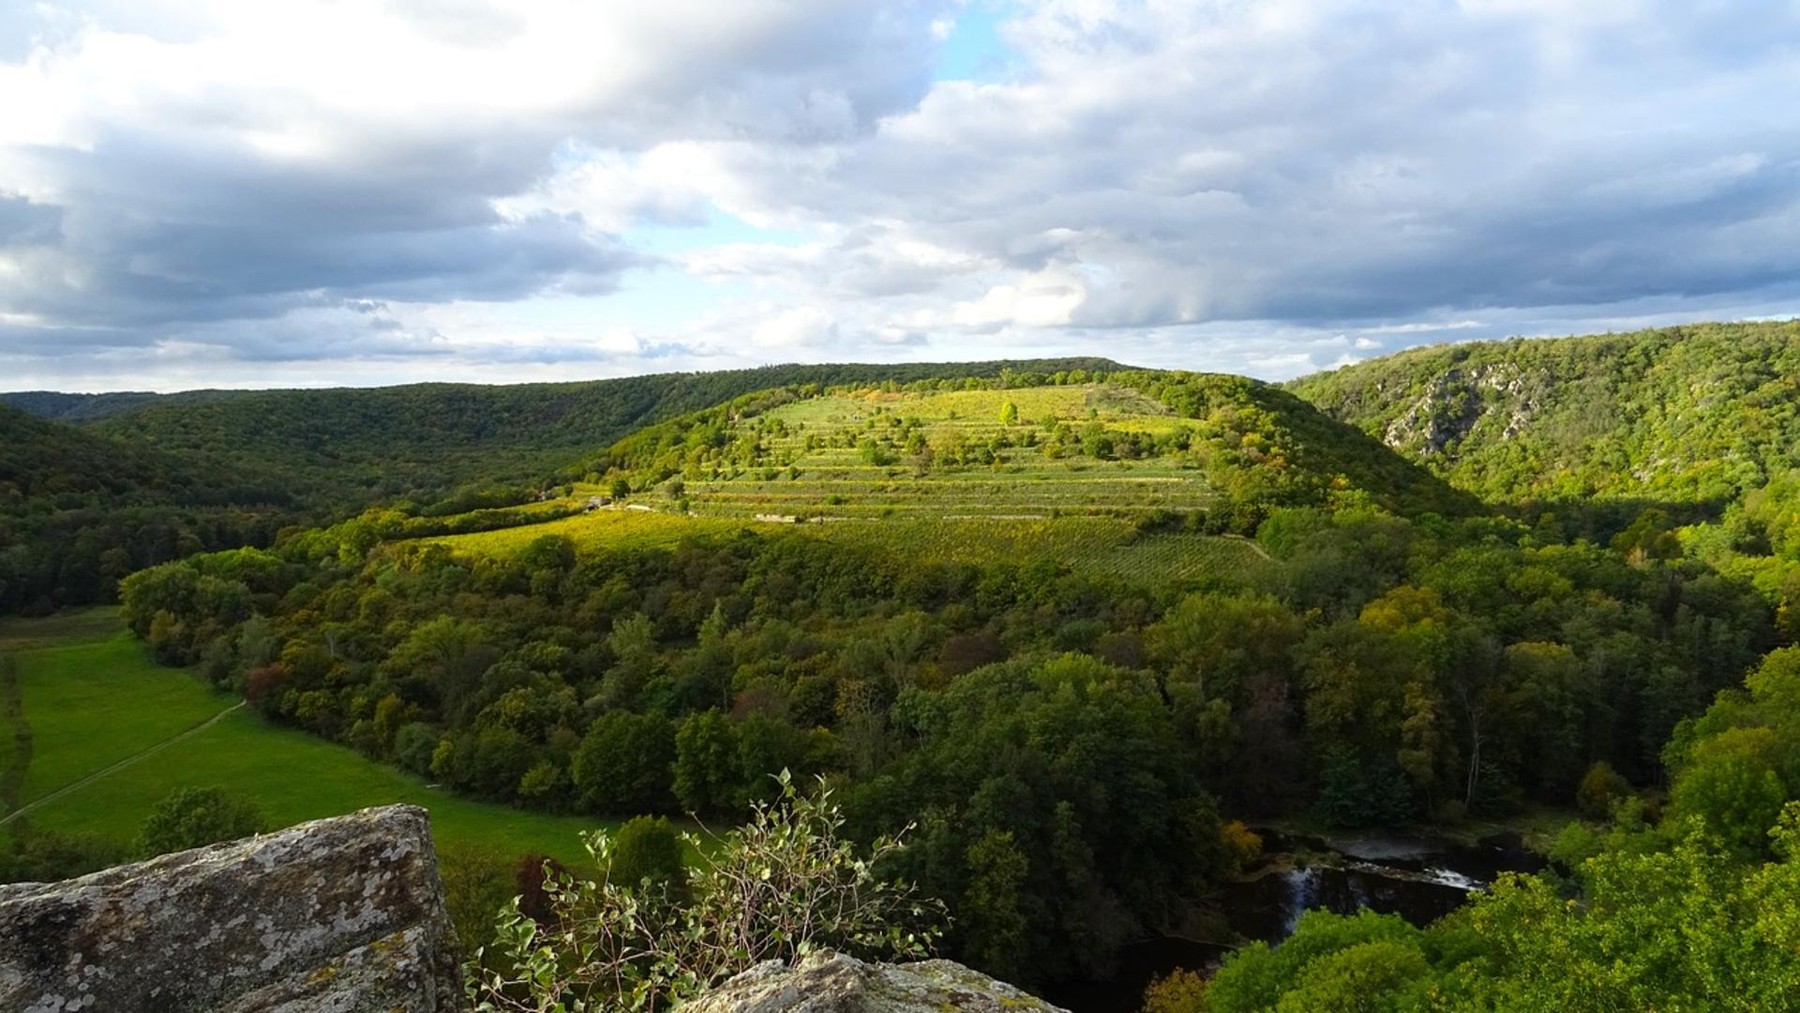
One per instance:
(344,914)
(829,982)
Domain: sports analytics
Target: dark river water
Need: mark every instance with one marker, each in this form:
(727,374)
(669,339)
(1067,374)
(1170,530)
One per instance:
(1417,879)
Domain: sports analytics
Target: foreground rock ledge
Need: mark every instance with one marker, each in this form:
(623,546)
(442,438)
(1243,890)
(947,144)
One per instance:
(827,982)
(343,915)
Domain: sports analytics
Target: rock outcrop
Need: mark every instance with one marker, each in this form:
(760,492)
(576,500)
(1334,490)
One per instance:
(827,982)
(342,915)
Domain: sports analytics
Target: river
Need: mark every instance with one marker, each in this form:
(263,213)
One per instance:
(1419,879)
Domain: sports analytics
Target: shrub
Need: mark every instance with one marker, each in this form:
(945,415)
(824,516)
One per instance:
(1600,789)
(646,848)
(1180,991)
(779,887)
(193,817)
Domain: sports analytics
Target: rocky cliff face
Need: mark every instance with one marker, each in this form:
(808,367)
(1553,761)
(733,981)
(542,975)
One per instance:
(343,915)
(1458,400)
(346,915)
(826,982)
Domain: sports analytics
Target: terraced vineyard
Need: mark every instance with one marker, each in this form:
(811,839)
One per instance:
(1059,473)
(1094,545)
(1017,453)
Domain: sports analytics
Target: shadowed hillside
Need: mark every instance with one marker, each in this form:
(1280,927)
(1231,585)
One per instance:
(79,510)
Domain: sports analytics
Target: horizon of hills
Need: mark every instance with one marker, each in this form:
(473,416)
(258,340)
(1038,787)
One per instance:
(1685,419)
(1508,419)
(274,460)
(134,480)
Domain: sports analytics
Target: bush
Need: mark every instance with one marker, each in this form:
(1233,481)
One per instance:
(646,849)
(1601,788)
(1356,793)
(194,817)
(477,881)
(32,855)
(779,887)
(1180,991)
(1242,846)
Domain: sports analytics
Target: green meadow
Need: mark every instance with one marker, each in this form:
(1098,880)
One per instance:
(108,725)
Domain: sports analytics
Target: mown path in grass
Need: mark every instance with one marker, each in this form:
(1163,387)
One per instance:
(28,807)
(114,733)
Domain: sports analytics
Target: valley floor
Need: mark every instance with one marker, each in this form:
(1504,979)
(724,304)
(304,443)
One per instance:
(113,734)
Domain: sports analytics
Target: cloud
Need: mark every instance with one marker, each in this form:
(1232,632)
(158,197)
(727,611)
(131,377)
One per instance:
(1336,161)
(251,166)
(1272,186)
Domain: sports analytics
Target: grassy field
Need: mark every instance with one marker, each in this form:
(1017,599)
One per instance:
(601,529)
(1023,505)
(1098,545)
(93,699)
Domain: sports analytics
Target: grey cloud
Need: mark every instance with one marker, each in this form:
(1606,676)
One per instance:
(315,336)
(52,342)
(23,222)
(1259,186)
(1368,165)
(168,220)
(798,73)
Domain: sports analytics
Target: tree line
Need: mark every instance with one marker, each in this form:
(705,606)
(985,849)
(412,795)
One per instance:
(1073,749)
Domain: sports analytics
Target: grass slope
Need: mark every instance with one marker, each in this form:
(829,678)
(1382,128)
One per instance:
(1683,415)
(1107,546)
(93,698)
(809,461)
(1060,473)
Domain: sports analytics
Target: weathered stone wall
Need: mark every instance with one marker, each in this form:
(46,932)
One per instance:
(826,982)
(343,915)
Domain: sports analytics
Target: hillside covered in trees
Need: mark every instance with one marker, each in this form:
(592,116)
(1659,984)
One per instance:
(144,478)
(1079,625)
(1688,416)
(79,510)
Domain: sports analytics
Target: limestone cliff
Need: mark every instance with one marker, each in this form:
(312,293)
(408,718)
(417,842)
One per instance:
(343,915)
(346,915)
(827,982)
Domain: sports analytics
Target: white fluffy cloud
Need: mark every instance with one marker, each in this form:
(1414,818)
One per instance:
(381,191)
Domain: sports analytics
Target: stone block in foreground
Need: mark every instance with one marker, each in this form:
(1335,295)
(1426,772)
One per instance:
(344,915)
(827,982)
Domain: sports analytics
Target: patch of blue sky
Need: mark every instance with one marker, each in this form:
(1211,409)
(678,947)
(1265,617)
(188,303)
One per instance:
(664,298)
(974,49)
(721,229)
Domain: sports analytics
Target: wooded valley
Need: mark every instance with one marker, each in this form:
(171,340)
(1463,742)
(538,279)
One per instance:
(1083,627)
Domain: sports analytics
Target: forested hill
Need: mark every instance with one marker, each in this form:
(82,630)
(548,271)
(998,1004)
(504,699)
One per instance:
(1258,446)
(64,407)
(42,461)
(1693,415)
(352,447)
(153,477)
(79,510)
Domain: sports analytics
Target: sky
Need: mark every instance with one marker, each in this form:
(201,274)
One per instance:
(356,192)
